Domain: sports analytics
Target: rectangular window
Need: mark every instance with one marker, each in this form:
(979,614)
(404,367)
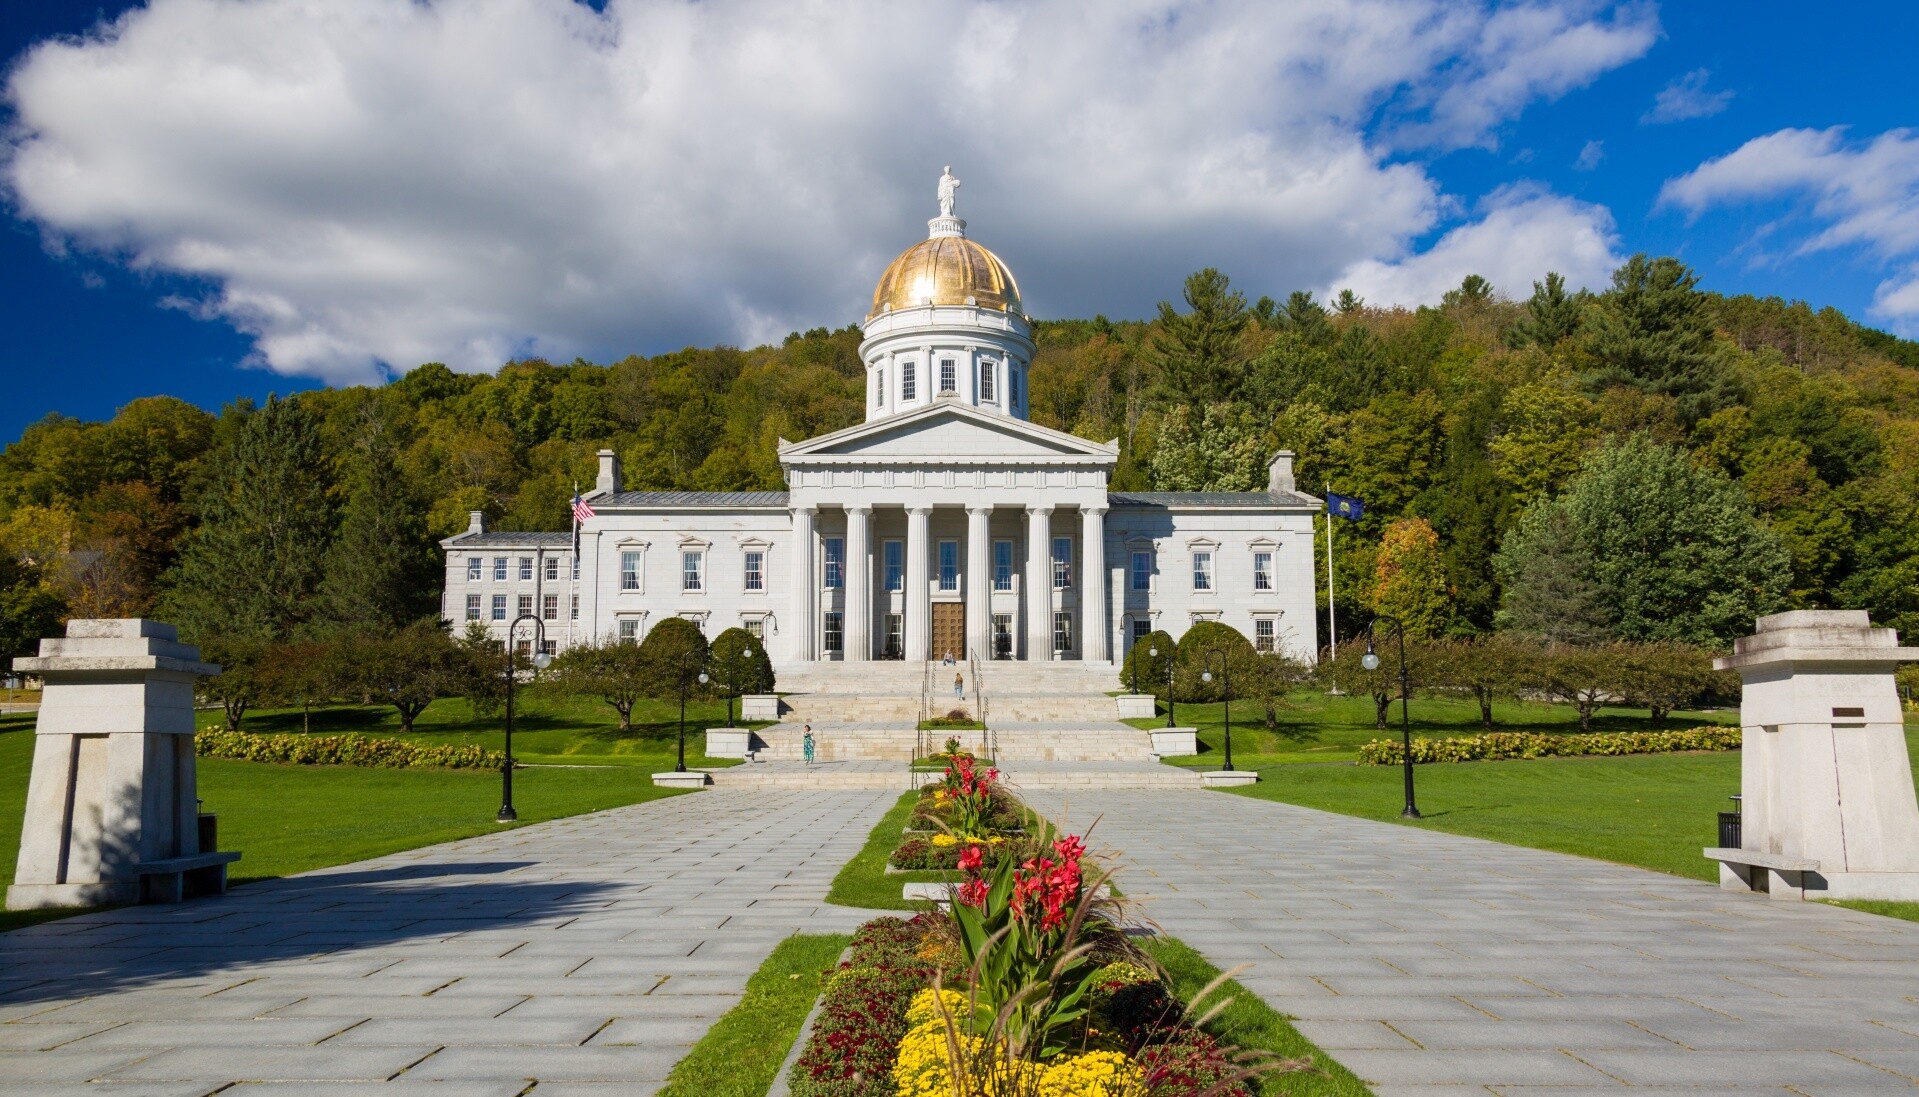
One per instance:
(629,628)
(835,563)
(1002,636)
(987,392)
(526,567)
(1012,385)
(892,650)
(690,567)
(1062,563)
(499,607)
(473,607)
(573,612)
(1062,632)
(553,568)
(525,605)
(473,569)
(756,628)
(756,571)
(879,387)
(834,637)
(1262,571)
(499,569)
(1263,632)
(895,556)
(949,565)
(1002,565)
(909,383)
(949,375)
(1202,571)
(549,607)
(576,566)
(1142,628)
(1142,571)
(629,571)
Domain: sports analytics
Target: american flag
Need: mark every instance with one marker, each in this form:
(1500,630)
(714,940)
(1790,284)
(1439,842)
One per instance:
(581,512)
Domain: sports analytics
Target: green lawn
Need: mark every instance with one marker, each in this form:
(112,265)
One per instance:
(547,730)
(864,881)
(740,1055)
(289,819)
(1320,727)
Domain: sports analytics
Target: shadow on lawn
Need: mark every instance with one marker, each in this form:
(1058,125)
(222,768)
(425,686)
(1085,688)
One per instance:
(328,914)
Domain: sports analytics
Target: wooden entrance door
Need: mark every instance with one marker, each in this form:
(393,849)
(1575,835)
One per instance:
(949,630)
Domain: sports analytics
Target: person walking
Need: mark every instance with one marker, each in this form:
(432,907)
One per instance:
(806,744)
(959,687)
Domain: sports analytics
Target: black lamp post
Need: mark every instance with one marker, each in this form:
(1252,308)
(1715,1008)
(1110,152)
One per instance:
(1371,662)
(1226,691)
(745,653)
(540,660)
(1153,653)
(679,766)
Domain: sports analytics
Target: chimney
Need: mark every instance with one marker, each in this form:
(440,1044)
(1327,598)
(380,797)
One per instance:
(1279,472)
(610,480)
(476,521)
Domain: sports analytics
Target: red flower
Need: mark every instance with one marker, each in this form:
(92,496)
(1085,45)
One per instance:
(971,858)
(1070,847)
(973,893)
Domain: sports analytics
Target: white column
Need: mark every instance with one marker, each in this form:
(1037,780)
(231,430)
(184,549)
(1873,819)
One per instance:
(1039,582)
(919,596)
(979,582)
(1094,630)
(806,588)
(859,585)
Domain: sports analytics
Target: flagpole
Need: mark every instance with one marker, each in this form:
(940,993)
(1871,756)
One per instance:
(1332,617)
(573,584)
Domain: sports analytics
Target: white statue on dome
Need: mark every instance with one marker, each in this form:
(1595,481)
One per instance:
(949,186)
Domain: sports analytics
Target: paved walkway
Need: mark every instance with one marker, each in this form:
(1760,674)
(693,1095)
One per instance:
(1435,965)
(585,955)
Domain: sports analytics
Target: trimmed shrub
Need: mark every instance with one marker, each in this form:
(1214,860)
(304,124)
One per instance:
(1531,744)
(342,750)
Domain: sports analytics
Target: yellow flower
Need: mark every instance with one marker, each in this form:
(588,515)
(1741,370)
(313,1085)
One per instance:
(924,1067)
(1092,1074)
(945,840)
(921,1009)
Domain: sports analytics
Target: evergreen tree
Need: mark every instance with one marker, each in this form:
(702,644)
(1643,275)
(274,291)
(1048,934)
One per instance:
(1551,315)
(1348,301)
(382,571)
(1652,333)
(739,666)
(1549,592)
(1198,352)
(251,568)
(1306,317)
(673,656)
(1473,293)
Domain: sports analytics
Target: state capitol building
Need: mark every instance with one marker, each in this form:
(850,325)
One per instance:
(946,523)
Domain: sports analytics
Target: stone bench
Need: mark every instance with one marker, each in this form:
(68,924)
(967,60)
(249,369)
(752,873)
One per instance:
(1774,874)
(172,880)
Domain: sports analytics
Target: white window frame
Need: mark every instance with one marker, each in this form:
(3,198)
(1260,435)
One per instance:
(892,633)
(573,610)
(553,568)
(833,552)
(1062,563)
(523,606)
(1263,574)
(1062,630)
(893,564)
(475,567)
(755,627)
(549,607)
(473,607)
(879,387)
(753,571)
(692,571)
(1205,578)
(499,569)
(949,375)
(909,380)
(1003,566)
(949,567)
(627,629)
(526,569)
(497,608)
(833,631)
(1138,578)
(1138,628)
(988,389)
(1270,641)
(1012,643)
(632,566)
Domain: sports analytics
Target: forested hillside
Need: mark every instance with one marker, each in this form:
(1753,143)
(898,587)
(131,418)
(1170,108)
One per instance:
(1574,466)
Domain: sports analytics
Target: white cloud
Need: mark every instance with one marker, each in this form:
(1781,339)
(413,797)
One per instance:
(1590,156)
(1860,195)
(375,183)
(1521,234)
(1685,98)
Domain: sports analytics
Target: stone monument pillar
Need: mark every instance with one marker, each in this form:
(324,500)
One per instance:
(111,811)
(1826,790)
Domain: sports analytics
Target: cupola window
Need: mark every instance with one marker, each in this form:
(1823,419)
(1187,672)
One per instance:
(949,375)
(987,391)
(909,383)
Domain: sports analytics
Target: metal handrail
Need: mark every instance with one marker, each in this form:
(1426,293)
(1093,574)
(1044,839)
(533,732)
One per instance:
(986,744)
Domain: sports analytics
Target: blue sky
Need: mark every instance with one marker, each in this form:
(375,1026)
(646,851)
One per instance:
(340,211)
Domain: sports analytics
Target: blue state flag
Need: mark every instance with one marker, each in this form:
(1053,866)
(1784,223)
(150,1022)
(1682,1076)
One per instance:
(1344,506)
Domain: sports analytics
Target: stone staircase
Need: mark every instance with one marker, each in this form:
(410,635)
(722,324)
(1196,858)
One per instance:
(1041,693)
(1025,776)
(856,693)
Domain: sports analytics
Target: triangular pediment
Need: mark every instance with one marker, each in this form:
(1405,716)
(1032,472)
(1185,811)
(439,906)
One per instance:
(948,431)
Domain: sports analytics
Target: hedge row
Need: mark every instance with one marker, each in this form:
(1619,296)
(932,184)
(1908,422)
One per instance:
(342,750)
(1533,744)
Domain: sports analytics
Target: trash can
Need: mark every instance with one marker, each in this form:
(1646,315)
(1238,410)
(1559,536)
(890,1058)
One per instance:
(1730,828)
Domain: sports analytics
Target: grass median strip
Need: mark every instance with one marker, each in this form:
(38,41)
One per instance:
(1250,1023)
(864,881)
(740,1055)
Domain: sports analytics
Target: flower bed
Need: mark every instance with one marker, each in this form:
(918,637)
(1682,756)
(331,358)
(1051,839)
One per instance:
(1531,744)
(942,851)
(1026,987)
(342,750)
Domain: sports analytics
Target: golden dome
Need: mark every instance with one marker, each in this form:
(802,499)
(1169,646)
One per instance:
(946,270)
